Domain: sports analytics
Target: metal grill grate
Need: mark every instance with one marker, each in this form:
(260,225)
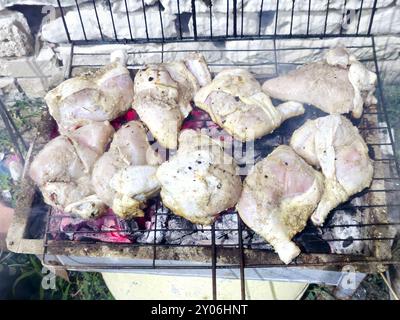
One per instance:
(378,205)
(271,20)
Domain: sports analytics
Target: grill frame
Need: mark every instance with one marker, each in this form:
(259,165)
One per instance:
(222,256)
(212,256)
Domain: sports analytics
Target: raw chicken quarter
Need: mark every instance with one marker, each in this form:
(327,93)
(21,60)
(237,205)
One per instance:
(124,177)
(338,84)
(235,101)
(62,169)
(279,195)
(163,93)
(201,180)
(335,145)
(97,96)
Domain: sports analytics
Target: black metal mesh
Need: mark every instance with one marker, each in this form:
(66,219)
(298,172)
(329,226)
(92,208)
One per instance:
(338,20)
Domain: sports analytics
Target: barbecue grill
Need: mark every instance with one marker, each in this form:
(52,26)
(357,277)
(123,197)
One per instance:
(359,232)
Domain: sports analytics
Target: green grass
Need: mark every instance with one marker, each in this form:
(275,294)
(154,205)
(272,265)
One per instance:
(22,277)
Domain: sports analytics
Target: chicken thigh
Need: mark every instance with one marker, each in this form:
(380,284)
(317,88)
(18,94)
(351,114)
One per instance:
(163,93)
(335,145)
(201,180)
(338,84)
(63,167)
(97,96)
(124,176)
(235,101)
(279,195)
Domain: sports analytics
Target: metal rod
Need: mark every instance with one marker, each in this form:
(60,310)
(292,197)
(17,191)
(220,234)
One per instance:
(326,17)
(276,17)
(235,18)
(308,16)
(127,17)
(214,263)
(161,21)
(291,18)
(260,18)
(145,20)
(242,262)
(211,24)
(241,20)
(227,18)
(179,19)
(371,21)
(63,20)
(112,20)
(11,133)
(359,16)
(97,19)
(194,19)
(382,100)
(344,15)
(80,19)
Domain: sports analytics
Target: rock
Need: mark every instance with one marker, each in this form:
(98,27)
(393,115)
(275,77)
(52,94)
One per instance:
(53,31)
(213,53)
(15,35)
(386,21)
(44,65)
(133,5)
(220,26)
(64,3)
(7,86)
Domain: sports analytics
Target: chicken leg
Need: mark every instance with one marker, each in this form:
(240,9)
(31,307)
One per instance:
(279,195)
(235,102)
(335,145)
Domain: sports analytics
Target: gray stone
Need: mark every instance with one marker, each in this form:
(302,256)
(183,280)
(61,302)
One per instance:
(132,5)
(219,24)
(44,64)
(386,21)
(15,35)
(54,31)
(7,85)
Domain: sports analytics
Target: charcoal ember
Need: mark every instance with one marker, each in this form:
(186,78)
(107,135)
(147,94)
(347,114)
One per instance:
(107,228)
(254,241)
(227,229)
(156,227)
(349,233)
(180,231)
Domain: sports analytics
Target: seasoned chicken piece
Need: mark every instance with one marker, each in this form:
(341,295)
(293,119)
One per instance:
(235,102)
(335,145)
(201,180)
(163,93)
(97,96)
(63,167)
(338,84)
(124,176)
(279,195)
